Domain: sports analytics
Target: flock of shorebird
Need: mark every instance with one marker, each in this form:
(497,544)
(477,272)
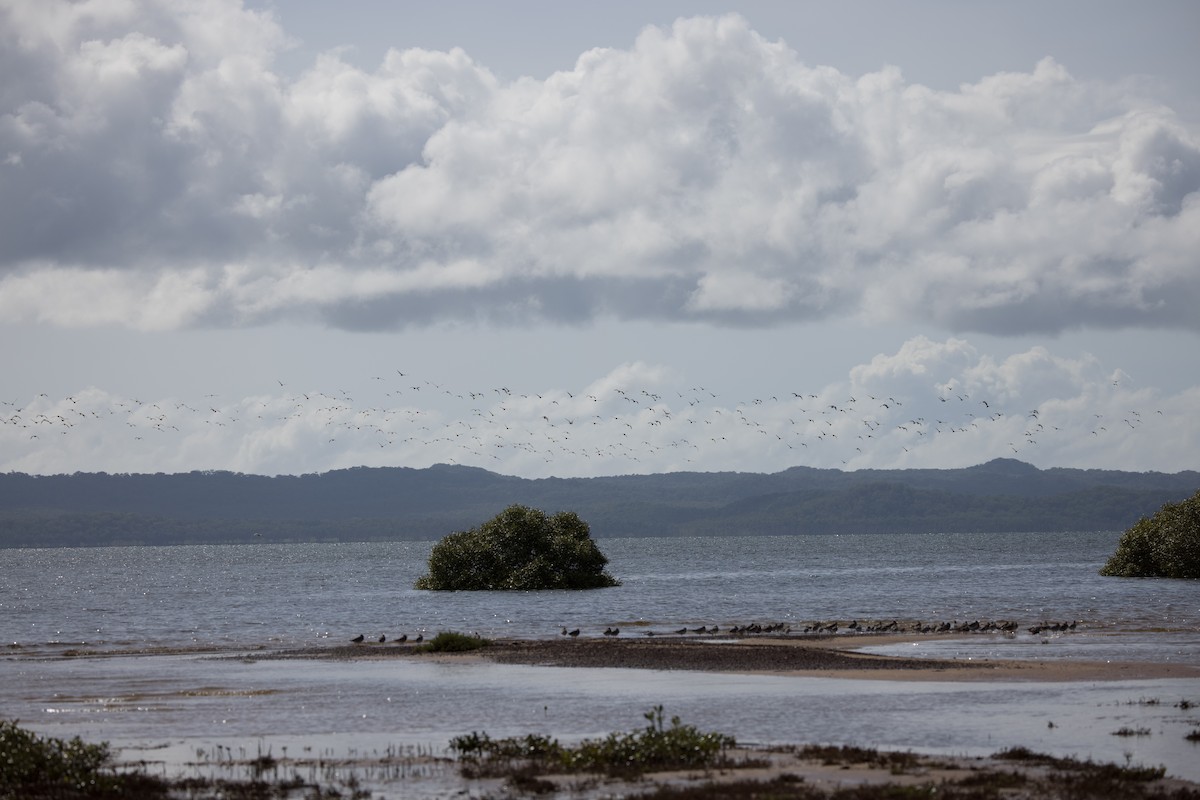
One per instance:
(402,639)
(821,628)
(619,424)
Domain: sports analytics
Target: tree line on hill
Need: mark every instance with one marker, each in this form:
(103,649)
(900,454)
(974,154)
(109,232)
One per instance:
(391,503)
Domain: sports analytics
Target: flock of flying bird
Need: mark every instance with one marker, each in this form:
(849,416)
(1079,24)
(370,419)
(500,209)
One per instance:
(412,422)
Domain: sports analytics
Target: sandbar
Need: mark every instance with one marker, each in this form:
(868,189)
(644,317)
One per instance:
(832,656)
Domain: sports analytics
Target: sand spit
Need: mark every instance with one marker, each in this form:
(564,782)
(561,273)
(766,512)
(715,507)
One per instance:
(809,657)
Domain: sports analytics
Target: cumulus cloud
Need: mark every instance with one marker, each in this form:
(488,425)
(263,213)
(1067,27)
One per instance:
(150,150)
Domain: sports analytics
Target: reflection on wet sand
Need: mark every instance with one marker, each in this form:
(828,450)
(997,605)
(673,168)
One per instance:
(391,708)
(866,657)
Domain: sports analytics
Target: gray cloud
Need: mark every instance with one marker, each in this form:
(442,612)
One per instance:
(152,157)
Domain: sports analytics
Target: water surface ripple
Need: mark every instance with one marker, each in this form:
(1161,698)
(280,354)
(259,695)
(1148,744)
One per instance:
(239,598)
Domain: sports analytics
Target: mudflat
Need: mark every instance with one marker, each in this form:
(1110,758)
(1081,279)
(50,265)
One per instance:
(833,656)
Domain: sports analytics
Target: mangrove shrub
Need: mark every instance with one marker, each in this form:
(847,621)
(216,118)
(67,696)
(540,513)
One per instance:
(1166,545)
(35,766)
(654,748)
(521,548)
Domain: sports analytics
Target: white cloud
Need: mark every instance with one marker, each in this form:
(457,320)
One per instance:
(149,301)
(740,291)
(703,173)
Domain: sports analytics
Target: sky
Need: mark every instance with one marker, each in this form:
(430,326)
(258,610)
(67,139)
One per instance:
(560,240)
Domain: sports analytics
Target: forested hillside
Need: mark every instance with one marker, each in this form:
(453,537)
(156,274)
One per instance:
(402,503)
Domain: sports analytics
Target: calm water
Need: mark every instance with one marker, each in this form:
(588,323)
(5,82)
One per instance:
(239,596)
(236,598)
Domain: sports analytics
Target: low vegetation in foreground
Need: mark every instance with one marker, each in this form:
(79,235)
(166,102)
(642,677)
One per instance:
(34,767)
(701,766)
(656,762)
(656,747)
(1165,545)
(520,549)
(1031,775)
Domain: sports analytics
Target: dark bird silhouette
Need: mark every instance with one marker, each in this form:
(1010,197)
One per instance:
(403,638)
(573,633)
(357,639)
(420,638)
(382,638)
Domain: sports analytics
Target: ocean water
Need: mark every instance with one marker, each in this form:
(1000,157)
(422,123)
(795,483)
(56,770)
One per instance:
(238,596)
(222,605)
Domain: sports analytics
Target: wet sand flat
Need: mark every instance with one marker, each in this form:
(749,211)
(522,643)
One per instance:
(337,689)
(808,657)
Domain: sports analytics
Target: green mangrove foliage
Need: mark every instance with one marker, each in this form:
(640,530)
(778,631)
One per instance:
(36,766)
(521,548)
(451,642)
(653,748)
(1165,545)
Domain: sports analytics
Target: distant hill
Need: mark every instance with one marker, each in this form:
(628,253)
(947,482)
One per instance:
(402,503)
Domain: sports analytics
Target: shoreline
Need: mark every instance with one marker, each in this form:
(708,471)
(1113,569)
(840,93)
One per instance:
(811,656)
(676,658)
(831,657)
(786,771)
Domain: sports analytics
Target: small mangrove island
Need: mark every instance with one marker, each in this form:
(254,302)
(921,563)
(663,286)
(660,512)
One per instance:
(520,549)
(1165,545)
